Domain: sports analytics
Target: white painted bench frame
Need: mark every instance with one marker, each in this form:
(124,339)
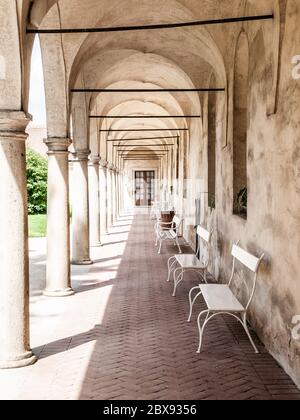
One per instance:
(157,207)
(166,232)
(175,261)
(240,313)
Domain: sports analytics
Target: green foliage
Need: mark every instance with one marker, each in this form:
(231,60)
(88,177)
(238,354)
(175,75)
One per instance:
(37,226)
(37,172)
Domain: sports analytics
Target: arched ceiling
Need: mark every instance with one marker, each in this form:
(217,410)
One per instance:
(173,58)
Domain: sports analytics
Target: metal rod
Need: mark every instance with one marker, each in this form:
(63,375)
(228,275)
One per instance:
(153,90)
(146,138)
(143,145)
(138,159)
(143,156)
(149,27)
(124,117)
(142,153)
(144,129)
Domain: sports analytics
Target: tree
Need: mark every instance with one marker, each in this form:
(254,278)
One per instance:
(37,173)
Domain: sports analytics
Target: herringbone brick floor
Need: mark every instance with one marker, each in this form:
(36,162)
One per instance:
(123,336)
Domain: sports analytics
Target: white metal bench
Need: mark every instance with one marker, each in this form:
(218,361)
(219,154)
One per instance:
(179,264)
(168,231)
(220,300)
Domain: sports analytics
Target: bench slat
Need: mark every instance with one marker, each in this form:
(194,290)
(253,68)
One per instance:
(203,233)
(245,258)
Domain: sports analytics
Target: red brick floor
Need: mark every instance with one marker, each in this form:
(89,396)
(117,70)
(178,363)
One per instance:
(146,350)
(123,336)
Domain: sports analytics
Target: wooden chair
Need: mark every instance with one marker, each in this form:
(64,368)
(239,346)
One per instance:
(220,299)
(179,264)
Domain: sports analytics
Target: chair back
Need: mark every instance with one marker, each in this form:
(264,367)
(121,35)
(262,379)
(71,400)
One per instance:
(249,261)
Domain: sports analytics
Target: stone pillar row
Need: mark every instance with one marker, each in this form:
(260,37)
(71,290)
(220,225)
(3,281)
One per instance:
(14,262)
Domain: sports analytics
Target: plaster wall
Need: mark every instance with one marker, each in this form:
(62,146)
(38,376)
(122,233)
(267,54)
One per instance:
(273,223)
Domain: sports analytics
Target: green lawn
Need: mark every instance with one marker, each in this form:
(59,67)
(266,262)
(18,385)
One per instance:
(37,226)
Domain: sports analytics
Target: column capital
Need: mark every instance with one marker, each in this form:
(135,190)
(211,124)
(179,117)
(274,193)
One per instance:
(103,163)
(94,160)
(57,144)
(81,155)
(13,124)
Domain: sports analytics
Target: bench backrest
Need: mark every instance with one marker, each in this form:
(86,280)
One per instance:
(249,261)
(204,234)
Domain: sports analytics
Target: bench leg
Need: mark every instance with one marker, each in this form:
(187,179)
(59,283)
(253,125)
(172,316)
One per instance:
(178,246)
(160,245)
(177,279)
(192,301)
(202,328)
(244,323)
(171,266)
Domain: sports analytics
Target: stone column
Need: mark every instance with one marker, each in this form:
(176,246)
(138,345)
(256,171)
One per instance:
(80,210)
(94,201)
(14,278)
(103,195)
(117,193)
(109,196)
(58,283)
(113,194)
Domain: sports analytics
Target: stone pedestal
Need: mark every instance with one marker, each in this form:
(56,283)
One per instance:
(14,278)
(58,222)
(80,210)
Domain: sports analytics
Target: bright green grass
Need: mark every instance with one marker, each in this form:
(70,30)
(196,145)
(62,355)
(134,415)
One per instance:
(37,226)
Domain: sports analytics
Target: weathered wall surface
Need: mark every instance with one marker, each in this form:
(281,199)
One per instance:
(273,222)
(36,135)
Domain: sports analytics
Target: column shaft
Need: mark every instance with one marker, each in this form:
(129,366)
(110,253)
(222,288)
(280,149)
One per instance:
(109,197)
(58,226)
(103,196)
(80,210)
(94,201)
(14,278)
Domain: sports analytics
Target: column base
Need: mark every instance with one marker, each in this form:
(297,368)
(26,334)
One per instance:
(59,293)
(23,360)
(85,262)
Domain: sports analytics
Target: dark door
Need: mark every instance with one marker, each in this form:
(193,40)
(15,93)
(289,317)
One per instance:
(144,188)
